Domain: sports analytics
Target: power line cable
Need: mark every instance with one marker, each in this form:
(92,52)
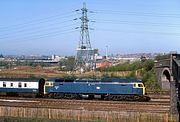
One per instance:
(38,21)
(52,35)
(136,13)
(135,23)
(37,29)
(35,37)
(32,34)
(138,32)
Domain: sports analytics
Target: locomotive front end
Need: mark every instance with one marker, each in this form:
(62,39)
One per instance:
(140,90)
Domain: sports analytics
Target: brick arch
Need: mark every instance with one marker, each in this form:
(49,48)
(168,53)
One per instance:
(165,79)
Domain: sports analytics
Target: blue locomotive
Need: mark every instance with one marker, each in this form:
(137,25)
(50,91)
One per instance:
(105,89)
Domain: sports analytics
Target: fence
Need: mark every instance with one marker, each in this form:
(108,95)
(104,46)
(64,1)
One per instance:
(84,115)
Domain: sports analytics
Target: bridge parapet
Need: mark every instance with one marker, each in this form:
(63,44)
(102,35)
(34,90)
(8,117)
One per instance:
(162,63)
(163,73)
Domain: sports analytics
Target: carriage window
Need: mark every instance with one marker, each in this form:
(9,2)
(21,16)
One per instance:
(19,85)
(4,84)
(11,84)
(25,84)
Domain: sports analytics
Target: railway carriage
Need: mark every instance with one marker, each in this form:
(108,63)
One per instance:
(21,87)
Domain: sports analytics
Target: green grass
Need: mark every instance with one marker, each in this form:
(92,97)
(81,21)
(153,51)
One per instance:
(17,119)
(133,119)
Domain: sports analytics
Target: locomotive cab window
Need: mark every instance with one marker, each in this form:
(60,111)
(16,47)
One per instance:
(49,83)
(4,84)
(140,85)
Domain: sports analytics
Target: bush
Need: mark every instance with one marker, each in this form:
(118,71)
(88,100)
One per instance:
(145,67)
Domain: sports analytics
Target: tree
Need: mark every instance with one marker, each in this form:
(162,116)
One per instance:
(148,65)
(67,64)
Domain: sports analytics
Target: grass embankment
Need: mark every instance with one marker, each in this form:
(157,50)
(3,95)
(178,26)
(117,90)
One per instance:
(141,118)
(17,119)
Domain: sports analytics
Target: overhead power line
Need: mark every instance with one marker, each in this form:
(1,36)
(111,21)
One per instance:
(149,14)
(36,34)
(136,23)
(35,29)
(51,35)
(35,37)
(39,21)
(138,32)
(30,30)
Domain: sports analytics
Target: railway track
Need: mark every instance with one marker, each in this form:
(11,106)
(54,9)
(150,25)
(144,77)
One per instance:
(158,104)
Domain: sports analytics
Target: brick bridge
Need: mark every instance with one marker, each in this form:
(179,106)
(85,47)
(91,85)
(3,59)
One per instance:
(168,76)
(163,73)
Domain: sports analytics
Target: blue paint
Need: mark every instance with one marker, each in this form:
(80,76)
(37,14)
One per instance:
(111,86)
(19,90)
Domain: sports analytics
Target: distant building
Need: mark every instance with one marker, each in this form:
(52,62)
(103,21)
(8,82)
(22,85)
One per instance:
(103,63)
(56,58)
(98,57)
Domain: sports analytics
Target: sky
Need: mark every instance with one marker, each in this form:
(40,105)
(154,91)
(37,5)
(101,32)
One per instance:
(46,27)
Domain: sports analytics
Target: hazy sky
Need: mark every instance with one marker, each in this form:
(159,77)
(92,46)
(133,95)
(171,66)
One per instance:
(45,27)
